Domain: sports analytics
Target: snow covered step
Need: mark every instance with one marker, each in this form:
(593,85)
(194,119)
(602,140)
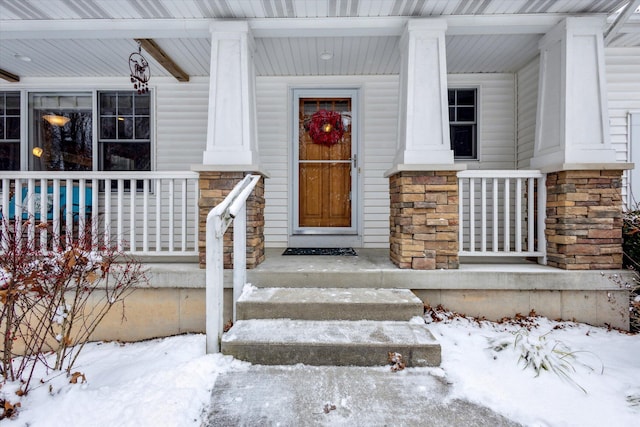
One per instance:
(329,304)
(336,343)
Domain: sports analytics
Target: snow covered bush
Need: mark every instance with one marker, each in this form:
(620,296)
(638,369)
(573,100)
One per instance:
(53,300)
(520,337)
(538,352)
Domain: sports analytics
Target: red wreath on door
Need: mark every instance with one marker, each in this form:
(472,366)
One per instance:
(326,127)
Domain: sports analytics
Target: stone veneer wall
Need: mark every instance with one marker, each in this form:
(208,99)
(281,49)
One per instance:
(424,220)
(214,187)
(584,219)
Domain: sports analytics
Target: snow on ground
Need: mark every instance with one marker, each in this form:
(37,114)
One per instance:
(603,390)
(164,382)
(168,382)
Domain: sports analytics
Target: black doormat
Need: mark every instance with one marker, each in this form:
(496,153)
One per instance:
(320,251)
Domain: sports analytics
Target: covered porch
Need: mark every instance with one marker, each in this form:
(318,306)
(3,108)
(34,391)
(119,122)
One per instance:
(480,230)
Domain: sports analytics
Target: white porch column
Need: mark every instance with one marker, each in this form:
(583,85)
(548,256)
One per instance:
(231,132)
(572,126)
(423,132)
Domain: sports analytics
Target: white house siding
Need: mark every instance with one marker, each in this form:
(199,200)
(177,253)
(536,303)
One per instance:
(378,115)
(623,87)
(272,102)
(527,103)
(181,117)
(496,118)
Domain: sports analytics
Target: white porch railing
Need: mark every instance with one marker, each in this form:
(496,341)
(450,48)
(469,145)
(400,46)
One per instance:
(142,213)
(502,213)
(218,220)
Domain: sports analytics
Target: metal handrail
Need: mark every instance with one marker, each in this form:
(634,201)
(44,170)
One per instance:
(232,208)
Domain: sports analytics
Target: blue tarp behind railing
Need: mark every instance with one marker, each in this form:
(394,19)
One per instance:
(37,200)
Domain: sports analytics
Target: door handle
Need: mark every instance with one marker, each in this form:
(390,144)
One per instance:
(354,161)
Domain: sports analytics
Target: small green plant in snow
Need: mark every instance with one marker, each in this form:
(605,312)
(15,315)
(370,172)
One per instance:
(541,354)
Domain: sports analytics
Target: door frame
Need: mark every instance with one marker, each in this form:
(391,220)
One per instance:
(325,236)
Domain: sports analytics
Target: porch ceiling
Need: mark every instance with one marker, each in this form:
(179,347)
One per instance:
(93,38)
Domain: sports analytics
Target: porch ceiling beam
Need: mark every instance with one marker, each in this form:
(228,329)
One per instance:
(394,26)
(152,48)
(262,27)
(104,29)
(622,19)
(10,77)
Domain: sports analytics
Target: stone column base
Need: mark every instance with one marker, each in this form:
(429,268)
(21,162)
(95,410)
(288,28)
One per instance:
(214,187)
(584,219)
(424,220)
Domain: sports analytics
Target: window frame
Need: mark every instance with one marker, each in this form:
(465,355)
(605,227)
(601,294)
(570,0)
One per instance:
(20,116)
(475,125)
(98,129)
(26,120)
(32,120)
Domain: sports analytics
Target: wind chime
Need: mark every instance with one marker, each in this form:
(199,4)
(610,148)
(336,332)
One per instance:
(140,72)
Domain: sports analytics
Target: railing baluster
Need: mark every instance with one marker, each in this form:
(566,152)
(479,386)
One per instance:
(483,195)
(68,210)
(171,215)
(4,227)
(472,215)
(107,212)
(542,215)
(196,215)
(461,200)
(530,215)
(158,215)
(145,215)
(495,245)
(120,215)
(44,202)
(57,220)
(82,215)
(507,220)
(132,214)
(31,212)
(183,211)
(518,225)
(94,214)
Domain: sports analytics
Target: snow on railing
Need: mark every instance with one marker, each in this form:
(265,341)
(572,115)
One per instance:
(141,213)
(233,207)
(502,213)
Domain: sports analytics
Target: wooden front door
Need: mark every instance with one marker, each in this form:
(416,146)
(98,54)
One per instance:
(325,165)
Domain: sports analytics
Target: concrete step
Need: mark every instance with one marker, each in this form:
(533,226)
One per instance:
(329,304)
(330,342)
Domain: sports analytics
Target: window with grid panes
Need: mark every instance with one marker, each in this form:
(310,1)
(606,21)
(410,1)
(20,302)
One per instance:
(10,131)
(463,113)
(125,131)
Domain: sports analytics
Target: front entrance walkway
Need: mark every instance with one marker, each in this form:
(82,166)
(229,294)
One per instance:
(341,396)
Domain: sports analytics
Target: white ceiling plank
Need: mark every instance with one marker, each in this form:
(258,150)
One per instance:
(104,29)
